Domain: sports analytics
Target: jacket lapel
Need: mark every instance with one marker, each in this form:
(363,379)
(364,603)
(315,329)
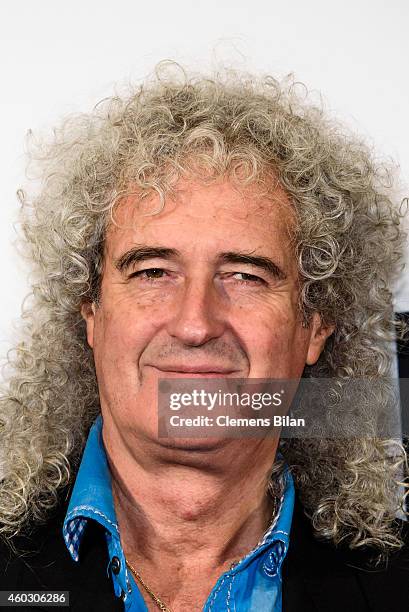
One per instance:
(320,577)
(314,577)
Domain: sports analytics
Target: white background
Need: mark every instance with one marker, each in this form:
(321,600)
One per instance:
(60,57)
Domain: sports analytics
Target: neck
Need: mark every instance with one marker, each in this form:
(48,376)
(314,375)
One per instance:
(175,506)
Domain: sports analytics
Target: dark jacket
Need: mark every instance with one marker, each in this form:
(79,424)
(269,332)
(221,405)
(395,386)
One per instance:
(317,577)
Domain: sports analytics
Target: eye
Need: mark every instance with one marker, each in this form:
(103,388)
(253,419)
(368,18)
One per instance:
(249,278)
(148,273)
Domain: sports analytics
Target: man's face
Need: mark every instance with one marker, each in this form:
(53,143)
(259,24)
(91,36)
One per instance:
(207,287)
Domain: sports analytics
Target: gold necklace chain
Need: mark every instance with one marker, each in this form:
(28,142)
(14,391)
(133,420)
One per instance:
(156,600)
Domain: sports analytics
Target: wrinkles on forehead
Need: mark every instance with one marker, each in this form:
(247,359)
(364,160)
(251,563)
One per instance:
(246,206)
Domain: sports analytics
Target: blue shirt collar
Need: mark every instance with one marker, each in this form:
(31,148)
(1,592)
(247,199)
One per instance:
(91,497)
(276,539)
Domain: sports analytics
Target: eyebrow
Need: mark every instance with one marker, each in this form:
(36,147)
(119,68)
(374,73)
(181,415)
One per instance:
(143,252)
(258,261)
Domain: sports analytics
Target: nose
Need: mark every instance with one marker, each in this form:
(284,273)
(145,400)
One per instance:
(198,314)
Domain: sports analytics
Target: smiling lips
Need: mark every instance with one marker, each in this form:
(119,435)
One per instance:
(207,370)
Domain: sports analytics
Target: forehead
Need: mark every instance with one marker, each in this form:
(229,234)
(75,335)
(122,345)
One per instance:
(205,217)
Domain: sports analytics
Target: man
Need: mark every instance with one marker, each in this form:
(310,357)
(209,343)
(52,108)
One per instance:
(201,229)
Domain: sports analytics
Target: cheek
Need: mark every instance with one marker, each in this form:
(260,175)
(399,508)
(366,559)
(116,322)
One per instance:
(121,333)
(275,340)
(265,323)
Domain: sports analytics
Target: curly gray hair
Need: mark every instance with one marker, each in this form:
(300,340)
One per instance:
(348,241)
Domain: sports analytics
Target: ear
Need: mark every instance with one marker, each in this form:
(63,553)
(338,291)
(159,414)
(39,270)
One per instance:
(88,314)
(318,337)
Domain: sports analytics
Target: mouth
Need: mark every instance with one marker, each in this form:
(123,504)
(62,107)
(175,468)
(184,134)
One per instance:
(202,371)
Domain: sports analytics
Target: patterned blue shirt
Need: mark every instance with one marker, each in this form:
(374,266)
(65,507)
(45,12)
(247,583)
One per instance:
(253,584)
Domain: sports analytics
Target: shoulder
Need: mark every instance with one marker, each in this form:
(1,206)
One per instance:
(24,556)
(338,579)
(41,561)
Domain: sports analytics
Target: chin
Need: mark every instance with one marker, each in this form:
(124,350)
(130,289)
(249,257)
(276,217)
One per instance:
(193,445)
